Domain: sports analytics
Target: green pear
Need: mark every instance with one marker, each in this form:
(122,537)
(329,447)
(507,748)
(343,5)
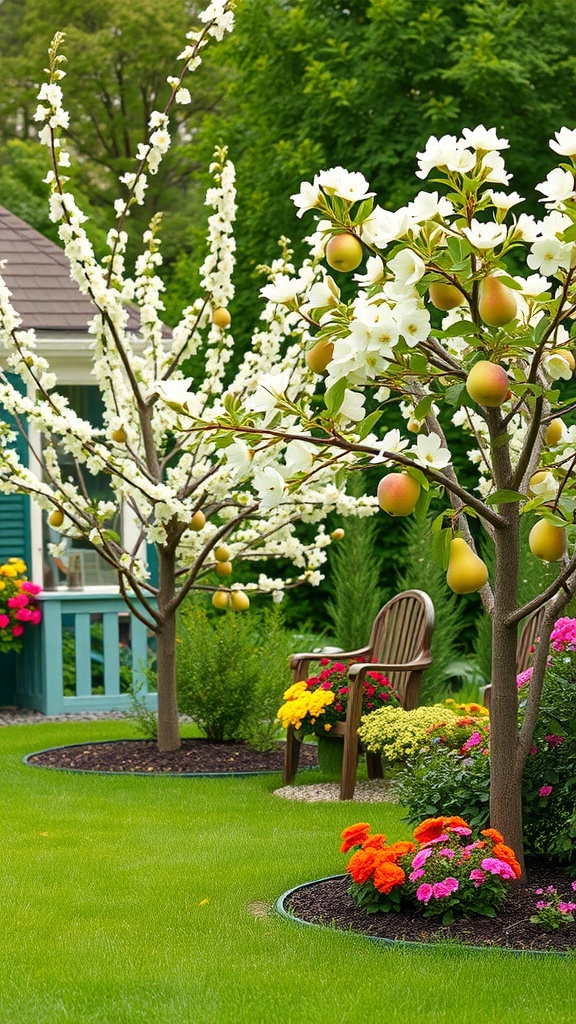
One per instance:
(398,494)
(553,433)
(487,384)
(497,304)
(318,357)
(466,573)
(444,295)
(344,252)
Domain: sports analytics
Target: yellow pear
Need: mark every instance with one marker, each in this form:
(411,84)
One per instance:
(119,435)
(221,599)
(221,317)
(56,518)
(223,568)
(317,358)
(444,295)
(547,541)
(466,573)
(553,433)
(344,252)
(198,520)
(222,553)
(337,534)
(497,304)
(239,601)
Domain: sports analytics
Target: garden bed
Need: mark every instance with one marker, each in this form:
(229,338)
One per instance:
(327,902)
(194,757)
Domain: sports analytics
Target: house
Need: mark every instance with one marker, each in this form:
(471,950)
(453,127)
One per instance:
(88,645)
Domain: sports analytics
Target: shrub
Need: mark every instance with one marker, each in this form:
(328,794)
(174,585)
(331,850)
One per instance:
(232,671)
(396,734)
(439,779)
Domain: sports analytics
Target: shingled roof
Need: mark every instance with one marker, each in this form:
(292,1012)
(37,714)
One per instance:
(38,275)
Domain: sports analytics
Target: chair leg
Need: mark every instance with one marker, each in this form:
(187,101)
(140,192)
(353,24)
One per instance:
(291,756)
(350,759)
(374,765)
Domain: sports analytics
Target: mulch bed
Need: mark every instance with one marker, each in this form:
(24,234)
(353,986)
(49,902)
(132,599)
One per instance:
(327,902)
(194,756)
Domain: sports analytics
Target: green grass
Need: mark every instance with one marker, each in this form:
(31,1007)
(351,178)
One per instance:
(103,889)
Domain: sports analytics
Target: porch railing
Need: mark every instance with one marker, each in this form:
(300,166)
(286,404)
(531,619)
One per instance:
(87,653)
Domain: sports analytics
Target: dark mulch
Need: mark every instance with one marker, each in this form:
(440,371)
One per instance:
(327,902)
(194,756)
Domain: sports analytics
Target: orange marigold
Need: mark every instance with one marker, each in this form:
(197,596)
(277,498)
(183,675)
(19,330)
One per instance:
(429,829)
(376,842)
(493,833)
(455,822)
(396,850)
(387,876)
(361,865)
(354,835)
(505,853)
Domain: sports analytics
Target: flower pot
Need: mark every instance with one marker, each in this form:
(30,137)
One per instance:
(330,754)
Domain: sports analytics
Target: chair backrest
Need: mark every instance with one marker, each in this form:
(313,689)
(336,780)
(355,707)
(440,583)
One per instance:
(402,634)
(530,631)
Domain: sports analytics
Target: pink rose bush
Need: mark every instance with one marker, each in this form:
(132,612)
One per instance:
(18,606)
(447,871)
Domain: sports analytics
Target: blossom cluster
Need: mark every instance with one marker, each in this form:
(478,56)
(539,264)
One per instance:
(396,734)
(317,703)
(552,911)
(18,607)
(446,870)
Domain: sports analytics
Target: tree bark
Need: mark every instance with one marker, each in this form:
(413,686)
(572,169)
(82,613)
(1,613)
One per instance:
(168,724)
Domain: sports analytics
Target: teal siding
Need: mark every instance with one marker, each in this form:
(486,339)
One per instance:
(15,541)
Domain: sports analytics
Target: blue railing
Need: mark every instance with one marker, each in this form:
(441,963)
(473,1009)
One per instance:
(84,655)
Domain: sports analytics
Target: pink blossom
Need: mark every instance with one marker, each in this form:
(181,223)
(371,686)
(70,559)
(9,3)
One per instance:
(542,905)
(573,884)
(533,750)
(4,621)
(564,634)
(524,677)
(416,874)
(442,889)
(545,790)
(24,615)
(17,630)
(553,740)
(474,740)
(460,830)
(446,852)
(424,892)
(477,876)
(497,867)
(31,588)
(566,908)
(36,617)
(18,601)
(421,858)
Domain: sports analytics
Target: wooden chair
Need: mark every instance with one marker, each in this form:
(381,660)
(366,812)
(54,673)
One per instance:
(399,646)
(530,630)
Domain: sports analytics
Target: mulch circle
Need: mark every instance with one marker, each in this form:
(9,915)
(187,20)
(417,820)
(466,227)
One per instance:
(327,902)
(194,757)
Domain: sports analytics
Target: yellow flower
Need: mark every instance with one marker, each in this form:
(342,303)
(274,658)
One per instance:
(327,727)
(2,584)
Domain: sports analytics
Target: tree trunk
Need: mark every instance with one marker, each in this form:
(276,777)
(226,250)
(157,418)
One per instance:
(168,725)
(505,775)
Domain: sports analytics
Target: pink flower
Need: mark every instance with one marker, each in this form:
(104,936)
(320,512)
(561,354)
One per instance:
(474,740)
(424,892)
(524,677)
(24,615)
(31,588)
(545,790)
(573,886)
(553,740)
(542,905)
(421,858)
(564,634)
(446,852)
(17,630)
(460,830)
(18,601)
(4,621)
(497,867)
(36,617)
(442,889)
(416,874)
(477,876)
(566,908)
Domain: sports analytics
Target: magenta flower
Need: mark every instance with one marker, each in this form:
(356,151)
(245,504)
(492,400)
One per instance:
(554,741)
(4,621)
(447,852)
(564,634)
(416,874)
(442,889)
(573,884)
(474,740)
(17,630)
(18,601)
(545,790)
(566,908)
(424,892)
(497,867)
(524,677)
(36,617)
(24,615)
(31,588)
(477,876)
(460,830)
(421,858)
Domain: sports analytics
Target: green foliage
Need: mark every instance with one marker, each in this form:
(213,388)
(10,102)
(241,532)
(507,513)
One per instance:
(232,671)
(421,572)
(439,780)
(145,719)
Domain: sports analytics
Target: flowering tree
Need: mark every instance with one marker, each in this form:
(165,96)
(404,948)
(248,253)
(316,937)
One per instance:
(441,322)
(200,511)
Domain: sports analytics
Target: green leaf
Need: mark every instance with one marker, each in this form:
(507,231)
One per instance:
(504,497)
(441,547)
(363,211)
(459,329)
(335,396)
(367,425)
(453,394)
(423,407)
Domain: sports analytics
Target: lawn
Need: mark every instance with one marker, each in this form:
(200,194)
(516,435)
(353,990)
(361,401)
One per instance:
(133,899)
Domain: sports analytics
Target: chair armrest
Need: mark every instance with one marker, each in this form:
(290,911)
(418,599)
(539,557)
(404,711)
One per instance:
(298,661)
(356,671)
